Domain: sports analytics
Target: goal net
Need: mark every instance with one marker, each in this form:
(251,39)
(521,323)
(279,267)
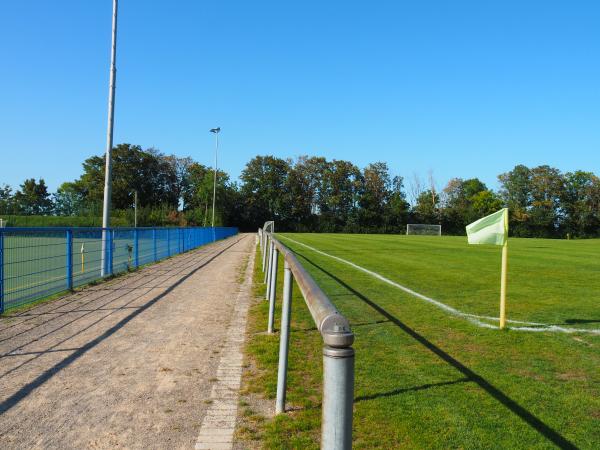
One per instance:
(423,229)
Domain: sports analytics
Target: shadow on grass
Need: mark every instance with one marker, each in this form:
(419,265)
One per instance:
(471,376)
(410,389)
(581,321)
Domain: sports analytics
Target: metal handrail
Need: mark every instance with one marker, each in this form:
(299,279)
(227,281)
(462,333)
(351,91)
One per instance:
(338,354)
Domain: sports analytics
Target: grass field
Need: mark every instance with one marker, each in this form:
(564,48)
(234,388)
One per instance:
(426,378)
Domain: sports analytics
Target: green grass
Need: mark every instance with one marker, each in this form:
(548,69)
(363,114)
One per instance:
(427,379)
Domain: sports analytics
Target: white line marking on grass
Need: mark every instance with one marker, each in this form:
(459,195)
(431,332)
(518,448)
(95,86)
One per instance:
(473,318)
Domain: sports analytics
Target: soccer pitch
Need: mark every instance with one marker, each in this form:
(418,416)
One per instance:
(432,371)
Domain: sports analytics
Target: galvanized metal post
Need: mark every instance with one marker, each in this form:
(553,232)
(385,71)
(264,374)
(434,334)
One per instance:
(273,290)
(1,271)
(338,389)
(264,252)
(267,259)
(284,339)
(154,243)
(69,252)
(135,200)
(136,246)
(109,139)
(269,272)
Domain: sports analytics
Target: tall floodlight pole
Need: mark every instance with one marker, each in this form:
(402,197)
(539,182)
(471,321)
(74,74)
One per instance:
(109,140)
(135,201)
(216,131)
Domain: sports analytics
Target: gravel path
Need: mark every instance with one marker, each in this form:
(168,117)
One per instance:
(129,363)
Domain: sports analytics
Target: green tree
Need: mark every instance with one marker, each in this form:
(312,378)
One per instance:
(580,203)
(263,190)
(340,192)
(375,196)
(426,210)
(466,201)
(69,200)
(6,200)
(153,175)
(547,185)
(33,198)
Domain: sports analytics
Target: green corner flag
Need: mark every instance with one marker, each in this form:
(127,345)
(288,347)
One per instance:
(493,230)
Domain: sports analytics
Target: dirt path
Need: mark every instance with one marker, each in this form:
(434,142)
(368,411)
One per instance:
(128,363)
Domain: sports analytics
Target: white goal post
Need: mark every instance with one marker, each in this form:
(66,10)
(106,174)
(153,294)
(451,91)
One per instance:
(423,229)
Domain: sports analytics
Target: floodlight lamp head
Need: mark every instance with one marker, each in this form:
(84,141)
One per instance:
(215,130)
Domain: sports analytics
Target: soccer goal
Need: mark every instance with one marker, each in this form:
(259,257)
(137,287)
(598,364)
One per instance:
(423,229)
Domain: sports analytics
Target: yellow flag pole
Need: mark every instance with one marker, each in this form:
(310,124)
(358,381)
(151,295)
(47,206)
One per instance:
(503,285)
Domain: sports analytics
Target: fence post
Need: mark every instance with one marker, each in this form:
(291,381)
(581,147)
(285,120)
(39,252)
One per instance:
(338,388)
(136,246)
(273,290)
(267,260)
(106,234)
(268,273)
(112,251)
(168,242)
(69,250)
(264,251)
(154,243)
(1,271)
(284,339)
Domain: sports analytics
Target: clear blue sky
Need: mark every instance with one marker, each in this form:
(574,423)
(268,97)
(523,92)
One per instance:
(461,88)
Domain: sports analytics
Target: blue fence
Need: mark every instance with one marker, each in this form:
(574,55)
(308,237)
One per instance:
(38,262)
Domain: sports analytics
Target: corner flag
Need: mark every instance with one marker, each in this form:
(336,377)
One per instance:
(493,230)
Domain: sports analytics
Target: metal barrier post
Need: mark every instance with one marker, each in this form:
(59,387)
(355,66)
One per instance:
(136,246)
(273,290)
(267,259)
(338,394)
(269,272)
(69,251)
(284,339)
(154,243)
(1,271)
(264,251)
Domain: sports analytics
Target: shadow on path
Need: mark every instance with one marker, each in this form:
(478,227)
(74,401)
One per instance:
(23,392)
(527,417)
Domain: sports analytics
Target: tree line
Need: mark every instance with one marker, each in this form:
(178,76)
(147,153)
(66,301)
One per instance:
(311,193)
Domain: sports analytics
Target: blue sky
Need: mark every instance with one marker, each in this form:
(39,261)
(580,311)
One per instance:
(460,88)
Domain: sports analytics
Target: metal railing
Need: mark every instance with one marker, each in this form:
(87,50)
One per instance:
(338,354)
(39,262)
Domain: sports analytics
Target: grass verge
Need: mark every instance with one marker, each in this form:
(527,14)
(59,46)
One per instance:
(425,379)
